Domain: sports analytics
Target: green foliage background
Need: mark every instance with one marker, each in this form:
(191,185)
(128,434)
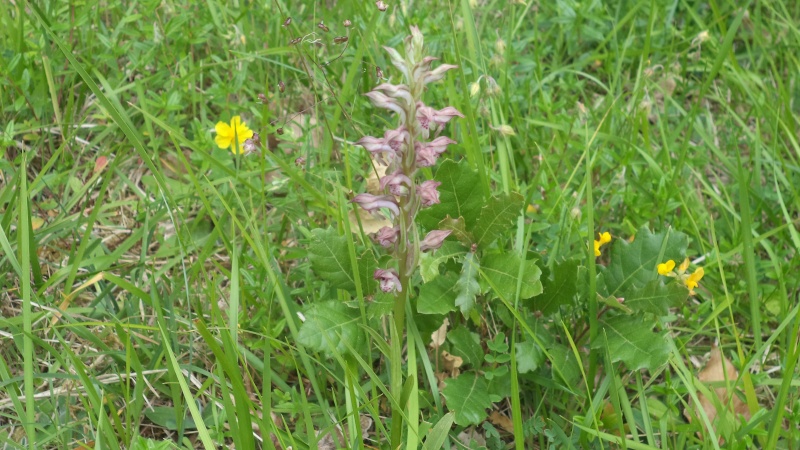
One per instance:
(159,292)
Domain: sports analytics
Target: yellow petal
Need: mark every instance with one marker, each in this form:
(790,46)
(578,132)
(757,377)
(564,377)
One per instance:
(605,238)
(224,135)
(684,265)
(665,268)
(223,128)
(223,141)
(597,245)
(694,278)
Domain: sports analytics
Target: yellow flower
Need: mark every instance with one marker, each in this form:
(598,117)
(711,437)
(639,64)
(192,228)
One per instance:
(236,131)
(605,238)
(693,279)
(684,266)
(666,268)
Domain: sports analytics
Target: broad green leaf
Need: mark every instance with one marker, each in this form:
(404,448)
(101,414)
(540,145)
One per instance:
(429,261)
(438,296)
(330,261)
(467,286)
(466,345)
(329,325)
(458,228)
(503,273)
(564,366)
(381,305)
(468,396)
(460,195)
(559,288)
(497,217)
(632,265)
(656,298)
(529,356)
(631,339)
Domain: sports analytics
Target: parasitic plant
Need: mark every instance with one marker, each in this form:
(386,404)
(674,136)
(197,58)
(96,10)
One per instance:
(416,142)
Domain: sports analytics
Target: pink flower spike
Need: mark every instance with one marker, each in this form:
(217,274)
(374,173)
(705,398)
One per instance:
(427,192)
(388,279)
(396,182)
(386,236)
(375,202)
(434,239)
(380,100)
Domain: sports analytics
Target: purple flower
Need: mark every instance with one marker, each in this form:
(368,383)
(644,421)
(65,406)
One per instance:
(434,239)
(374,202)
(390,145)
(386,236)
(431,118)
(396,182)
(380,100)
(427,192)
(388,279)
(428,153)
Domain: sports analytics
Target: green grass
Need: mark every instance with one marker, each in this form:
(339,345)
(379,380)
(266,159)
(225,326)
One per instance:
(160,296)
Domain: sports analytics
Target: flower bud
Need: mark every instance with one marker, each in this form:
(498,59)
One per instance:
(381,5)
(505,130)
(474,89)
(434,239)
(347,23)
(388,280)
(500,45)
(427,192)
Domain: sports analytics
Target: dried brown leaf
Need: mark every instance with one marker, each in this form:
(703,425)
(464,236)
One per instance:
(370,222)
(438,336)
(717,371)
(501,420)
